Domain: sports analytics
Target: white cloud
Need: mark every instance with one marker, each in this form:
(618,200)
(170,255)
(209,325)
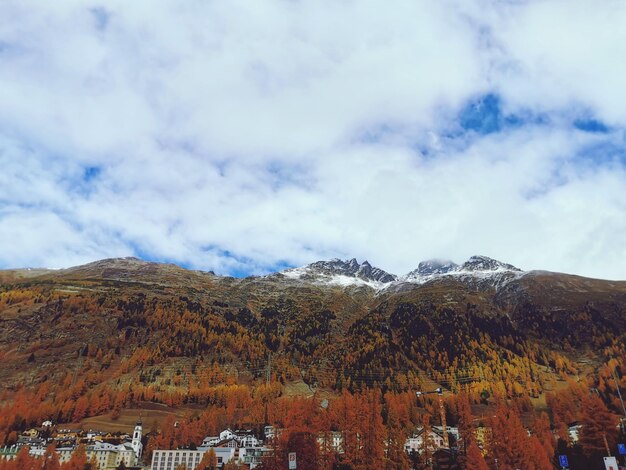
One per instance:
(236,136)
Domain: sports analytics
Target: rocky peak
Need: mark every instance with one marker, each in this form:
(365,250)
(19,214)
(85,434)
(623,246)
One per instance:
(435,266)
(348,268)
(484,263)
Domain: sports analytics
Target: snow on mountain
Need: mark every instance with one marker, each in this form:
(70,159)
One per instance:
(485,264)
(479,271)
(432,267)
(343,273)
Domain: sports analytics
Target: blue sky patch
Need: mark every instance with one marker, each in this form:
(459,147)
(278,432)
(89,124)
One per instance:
(603,154)
(90,173)
(101,17)
(483,115)
(591,125)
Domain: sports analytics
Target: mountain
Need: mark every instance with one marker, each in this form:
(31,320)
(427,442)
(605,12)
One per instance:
(478,270)
(432,267)
(154,329)
(341,272)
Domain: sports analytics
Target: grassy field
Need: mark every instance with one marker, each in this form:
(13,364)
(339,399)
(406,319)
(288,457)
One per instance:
(150,413)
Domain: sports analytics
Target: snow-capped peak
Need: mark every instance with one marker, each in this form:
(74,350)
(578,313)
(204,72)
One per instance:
(477,269)
(433,266)
(484,263)
(336,271)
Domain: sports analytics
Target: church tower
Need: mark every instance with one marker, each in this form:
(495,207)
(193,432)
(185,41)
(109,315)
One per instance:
(136,443)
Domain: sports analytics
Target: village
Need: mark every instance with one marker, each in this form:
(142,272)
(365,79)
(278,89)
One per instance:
(242,448)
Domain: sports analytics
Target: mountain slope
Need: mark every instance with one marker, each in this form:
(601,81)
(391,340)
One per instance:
(334,324)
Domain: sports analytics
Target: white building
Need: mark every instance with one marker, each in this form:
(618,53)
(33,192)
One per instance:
(421,440)
(136,442)
(210,441)
(108,456)
(574,432)
(332,440)
(170,459)
(242,438)
(246,438)
(269,432)
(451,430)
(227,434)
(253,456)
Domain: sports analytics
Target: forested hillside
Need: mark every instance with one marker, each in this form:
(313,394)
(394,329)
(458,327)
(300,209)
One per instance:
(117,333)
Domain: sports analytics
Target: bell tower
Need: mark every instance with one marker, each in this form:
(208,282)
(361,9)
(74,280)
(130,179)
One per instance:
(136,443)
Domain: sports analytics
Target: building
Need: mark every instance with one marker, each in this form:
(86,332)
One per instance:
(574,432)
(8,453)
(136,442)
(269,432)
(108,456)
(332,440)
(452,431)
(239,438)
(253,456)
(170,459)
(246,438)
(210,441)
(32,433)
(422,440)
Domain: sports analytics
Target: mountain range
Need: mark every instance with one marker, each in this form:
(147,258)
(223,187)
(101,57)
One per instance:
(351,272)
(331,324)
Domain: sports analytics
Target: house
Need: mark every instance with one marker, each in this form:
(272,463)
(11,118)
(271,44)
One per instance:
(332,440)
(31,441)
(269,432)
(452,431)
(574,431)
(422,440)
(67,434)
(246,438)
(210,441)
(239,438)
(95,435)
(253,456)
(32,432)
(231,443)
(227,434)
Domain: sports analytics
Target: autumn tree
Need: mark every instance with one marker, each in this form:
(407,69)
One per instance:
(24,461)
(541,429)
(304,444)
(209,461)
(465,420)
(395,456)
(51,459)
(78,461)
(597,425)
(475,459)
(511,444)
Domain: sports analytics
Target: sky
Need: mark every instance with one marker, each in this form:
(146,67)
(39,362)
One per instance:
(245,137)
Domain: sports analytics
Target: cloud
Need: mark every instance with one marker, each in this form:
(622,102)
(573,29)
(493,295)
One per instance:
(246,137)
